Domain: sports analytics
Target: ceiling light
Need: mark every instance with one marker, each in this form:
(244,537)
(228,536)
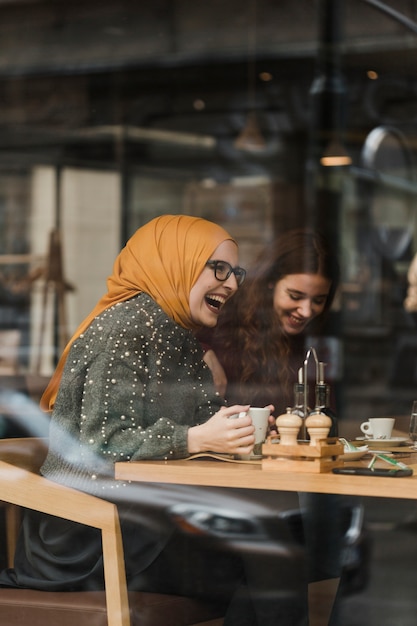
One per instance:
(266,76)
(199,104)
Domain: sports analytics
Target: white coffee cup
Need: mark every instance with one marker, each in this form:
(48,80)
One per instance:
(260,420)
(378,427)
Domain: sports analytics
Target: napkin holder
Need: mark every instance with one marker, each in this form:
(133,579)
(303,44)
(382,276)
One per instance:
(321,457)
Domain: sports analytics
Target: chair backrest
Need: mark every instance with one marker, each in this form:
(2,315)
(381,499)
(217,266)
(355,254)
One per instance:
(26,452)
(29,453)
(21,487)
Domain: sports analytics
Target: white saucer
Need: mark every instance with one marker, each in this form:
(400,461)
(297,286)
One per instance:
(354,456)
(384,443)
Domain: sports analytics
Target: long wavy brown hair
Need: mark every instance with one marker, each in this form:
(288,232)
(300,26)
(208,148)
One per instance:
(248,339)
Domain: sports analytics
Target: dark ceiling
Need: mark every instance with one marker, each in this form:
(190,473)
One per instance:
(79,76)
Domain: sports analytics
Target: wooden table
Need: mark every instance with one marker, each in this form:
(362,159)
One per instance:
(211,473)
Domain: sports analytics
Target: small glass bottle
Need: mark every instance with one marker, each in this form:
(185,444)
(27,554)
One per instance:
(322,402)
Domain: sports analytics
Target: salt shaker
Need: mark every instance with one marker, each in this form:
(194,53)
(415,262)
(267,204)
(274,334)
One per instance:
(288,425)
(318,426)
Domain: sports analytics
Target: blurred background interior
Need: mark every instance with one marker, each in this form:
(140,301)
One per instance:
(257,114)
(115,112)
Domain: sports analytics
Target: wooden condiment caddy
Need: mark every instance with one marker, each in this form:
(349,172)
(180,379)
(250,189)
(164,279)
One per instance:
(302,457)
(285,453)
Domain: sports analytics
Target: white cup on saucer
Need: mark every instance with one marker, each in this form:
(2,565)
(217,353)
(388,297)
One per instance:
(378,427)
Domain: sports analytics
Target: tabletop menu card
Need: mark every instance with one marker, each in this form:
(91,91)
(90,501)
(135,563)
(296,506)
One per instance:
(215,456)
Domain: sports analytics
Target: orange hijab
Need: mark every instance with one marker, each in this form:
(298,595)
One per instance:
(164,258)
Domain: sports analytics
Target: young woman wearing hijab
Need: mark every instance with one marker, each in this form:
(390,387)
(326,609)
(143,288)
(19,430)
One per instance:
(132,384)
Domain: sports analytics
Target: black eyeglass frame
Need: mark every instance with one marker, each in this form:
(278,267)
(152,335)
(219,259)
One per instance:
(239,272)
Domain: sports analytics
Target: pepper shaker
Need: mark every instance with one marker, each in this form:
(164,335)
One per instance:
(288,425)
(318,425)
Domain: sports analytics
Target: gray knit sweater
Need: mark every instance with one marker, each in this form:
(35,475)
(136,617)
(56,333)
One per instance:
(133,383)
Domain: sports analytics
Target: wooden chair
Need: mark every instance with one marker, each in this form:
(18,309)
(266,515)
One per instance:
(28,453)
(115,606)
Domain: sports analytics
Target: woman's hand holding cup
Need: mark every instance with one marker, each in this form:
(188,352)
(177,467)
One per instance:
(262,421)
(224,435)
(232,430)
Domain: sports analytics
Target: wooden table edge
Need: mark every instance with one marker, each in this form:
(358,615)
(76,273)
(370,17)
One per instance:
(246,476)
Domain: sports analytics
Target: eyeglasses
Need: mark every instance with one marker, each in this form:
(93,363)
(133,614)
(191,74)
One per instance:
(223,269)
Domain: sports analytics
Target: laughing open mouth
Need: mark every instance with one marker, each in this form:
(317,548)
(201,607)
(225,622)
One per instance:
(215,302)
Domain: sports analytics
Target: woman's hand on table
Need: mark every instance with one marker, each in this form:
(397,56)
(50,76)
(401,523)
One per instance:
(224,435)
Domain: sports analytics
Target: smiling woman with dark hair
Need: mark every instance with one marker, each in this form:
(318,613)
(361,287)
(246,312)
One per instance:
(260,343)
(260,335)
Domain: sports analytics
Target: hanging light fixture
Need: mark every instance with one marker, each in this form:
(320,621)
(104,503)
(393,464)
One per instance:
(328,92)
(335,155)
(250,138)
